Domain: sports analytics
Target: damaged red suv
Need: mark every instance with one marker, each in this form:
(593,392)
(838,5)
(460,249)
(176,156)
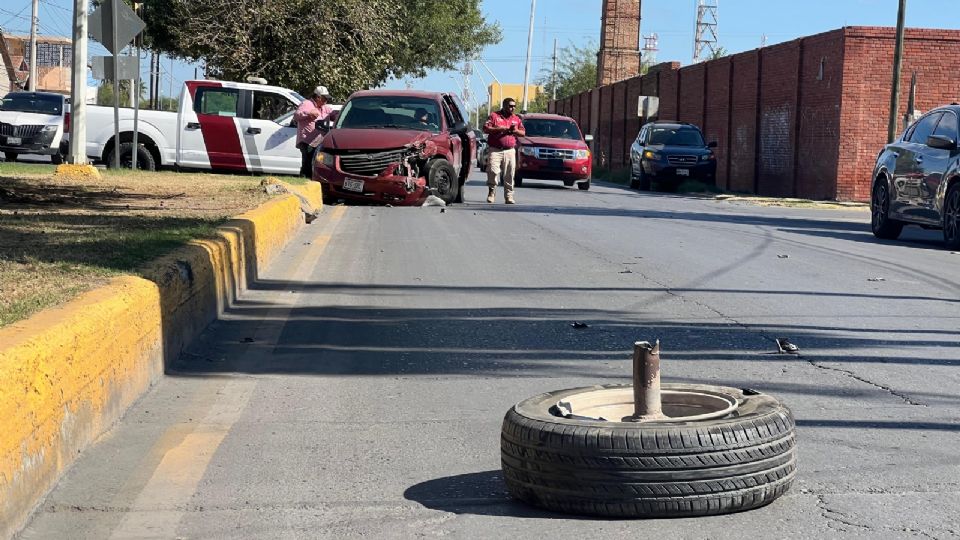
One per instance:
(554,149)
(397,147)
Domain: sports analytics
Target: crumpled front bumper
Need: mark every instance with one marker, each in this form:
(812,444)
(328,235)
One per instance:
(385,188)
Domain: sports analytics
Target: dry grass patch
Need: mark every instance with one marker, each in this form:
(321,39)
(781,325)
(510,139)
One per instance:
(63,236)
(793,203)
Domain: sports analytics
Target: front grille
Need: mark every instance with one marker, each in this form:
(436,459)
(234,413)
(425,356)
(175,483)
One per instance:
(370,164)
(682,160)
(11,130)
(555,153)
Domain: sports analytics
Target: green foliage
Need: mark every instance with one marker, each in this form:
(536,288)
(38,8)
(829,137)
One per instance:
(345,45)
(105,95)
(719,52)
(576,73)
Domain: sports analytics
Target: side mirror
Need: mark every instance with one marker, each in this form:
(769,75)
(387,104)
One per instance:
(942,142)
(588,138)
(712,144)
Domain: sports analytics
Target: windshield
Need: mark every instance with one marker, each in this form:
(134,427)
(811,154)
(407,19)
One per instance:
(676,136)
(558,129)
(32,103)
(391,112)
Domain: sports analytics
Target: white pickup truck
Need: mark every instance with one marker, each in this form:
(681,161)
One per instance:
(219,125)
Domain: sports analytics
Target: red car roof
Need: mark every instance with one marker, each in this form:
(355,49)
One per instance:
(404,93)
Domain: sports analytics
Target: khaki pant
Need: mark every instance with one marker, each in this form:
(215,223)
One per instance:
(505,160)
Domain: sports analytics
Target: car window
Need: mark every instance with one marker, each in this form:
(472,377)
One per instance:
(271,106)
(459,109)
(924,128)
(558,129)
(32,103)
(947,126)
(390,112)
(642,136)
(675,136)
(217,101)
(447,114)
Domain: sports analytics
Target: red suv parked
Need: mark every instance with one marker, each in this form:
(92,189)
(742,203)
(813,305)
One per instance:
(397,146)
(553,149)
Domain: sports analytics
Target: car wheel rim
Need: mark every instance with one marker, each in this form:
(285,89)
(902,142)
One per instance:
(881,204)
(443,183)
(951,225)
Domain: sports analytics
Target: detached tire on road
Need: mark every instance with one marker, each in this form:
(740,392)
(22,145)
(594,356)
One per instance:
(623,469)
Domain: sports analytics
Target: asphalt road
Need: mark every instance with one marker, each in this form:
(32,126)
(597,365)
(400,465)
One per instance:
(387,343)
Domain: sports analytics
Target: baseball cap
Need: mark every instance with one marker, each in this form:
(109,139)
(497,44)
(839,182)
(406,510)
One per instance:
(321,91)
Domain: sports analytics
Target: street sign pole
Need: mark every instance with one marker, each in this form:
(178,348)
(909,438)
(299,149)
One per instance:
(78,85)
(897,63)
(135,91)
(116,84)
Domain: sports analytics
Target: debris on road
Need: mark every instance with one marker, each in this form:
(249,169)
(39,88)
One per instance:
(785,347)
(433,200)
(876,279)
(247,340)
(783,256)
(626,271)
(579,325)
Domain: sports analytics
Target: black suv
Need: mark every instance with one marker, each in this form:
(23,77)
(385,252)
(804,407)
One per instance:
(669,153)
(917,179)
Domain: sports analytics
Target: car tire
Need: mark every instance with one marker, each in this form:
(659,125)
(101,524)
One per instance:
(517,181)
(568,183)
(951,217)
(145,161)
(584,186)
(57,159)
(10,156)
(442,180)
(624,469)
(882,225)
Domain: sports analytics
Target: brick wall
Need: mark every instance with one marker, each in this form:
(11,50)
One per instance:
(804,118)
(778,101)
(818,144)
(868,52)
(743,122)
(716,123)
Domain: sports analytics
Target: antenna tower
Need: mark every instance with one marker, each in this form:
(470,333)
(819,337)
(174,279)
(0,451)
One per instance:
(705,38)
(651,45)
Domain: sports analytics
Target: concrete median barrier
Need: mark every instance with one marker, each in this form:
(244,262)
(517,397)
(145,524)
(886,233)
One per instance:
(69,373)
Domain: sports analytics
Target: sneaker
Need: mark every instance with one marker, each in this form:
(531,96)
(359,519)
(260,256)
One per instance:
(509,200)
(492,195)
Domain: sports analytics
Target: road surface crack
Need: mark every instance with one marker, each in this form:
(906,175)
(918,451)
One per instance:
(906,399)
(837,516)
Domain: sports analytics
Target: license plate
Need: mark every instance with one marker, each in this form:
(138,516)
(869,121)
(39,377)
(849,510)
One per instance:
(353,185)
(683,172)
(14,141)
(554,163)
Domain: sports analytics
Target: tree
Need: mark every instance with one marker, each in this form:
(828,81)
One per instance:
(343,44)
(576,73)
(719,52)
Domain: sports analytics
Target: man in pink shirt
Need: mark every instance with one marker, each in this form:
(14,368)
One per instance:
(502,129)
(308,114)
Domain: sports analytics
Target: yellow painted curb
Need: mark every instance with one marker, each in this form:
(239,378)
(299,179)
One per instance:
(76,171)
(68,374)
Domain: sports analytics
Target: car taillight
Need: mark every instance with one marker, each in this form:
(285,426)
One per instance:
(66,122)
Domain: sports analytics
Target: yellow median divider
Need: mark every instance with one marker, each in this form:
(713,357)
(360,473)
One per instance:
(68,374)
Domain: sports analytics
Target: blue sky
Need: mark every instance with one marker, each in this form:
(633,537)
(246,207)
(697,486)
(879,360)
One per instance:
(742,23)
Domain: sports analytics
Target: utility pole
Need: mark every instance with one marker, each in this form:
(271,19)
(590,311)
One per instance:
(897,64)
(526,70)
(499,86)
(554,97)
(34,21)
(78,85)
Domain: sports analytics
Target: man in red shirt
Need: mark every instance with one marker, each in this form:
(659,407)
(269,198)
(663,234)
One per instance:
(502,129)
(308,113)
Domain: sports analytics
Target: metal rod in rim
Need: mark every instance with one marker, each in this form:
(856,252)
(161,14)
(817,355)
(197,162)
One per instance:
(646,381)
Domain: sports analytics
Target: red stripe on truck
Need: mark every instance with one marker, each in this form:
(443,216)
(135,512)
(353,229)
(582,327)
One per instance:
(220,138)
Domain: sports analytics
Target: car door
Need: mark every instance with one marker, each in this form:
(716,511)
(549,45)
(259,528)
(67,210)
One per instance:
(908,173)
(208,133)
(636,150)
(456,144)
(269,136)
(935,163)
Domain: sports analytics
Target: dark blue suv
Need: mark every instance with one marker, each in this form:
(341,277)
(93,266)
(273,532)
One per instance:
(669,153)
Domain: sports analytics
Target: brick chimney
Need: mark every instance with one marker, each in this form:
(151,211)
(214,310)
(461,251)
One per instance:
(619,56)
